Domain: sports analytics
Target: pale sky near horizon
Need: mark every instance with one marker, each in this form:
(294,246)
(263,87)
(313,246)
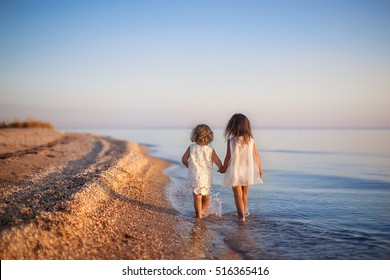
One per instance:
(179,63)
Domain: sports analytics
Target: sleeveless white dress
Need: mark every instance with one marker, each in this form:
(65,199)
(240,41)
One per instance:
(200,169)
(242,169)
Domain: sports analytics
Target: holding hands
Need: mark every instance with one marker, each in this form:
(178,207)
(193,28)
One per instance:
(222,169)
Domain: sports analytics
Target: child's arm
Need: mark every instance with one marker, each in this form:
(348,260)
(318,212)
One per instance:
(185,157)
(217,161)
(258,161)
(227,158)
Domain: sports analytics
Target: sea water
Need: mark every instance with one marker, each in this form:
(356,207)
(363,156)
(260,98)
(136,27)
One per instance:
(326,194)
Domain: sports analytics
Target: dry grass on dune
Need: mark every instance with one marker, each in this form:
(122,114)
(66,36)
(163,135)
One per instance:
(29,123)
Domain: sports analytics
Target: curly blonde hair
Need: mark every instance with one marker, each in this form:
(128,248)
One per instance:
(202,134)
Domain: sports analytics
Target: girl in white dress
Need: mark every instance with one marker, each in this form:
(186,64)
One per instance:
(242,166)
(199,159)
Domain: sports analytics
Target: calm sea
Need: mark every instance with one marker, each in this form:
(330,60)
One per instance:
(326,195)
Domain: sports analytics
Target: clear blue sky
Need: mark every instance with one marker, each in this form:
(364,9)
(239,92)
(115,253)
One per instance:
(178,63)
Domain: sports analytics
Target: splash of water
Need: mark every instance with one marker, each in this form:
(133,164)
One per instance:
(215,205)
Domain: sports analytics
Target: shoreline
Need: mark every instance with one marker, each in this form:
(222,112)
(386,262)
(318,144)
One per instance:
(83,196)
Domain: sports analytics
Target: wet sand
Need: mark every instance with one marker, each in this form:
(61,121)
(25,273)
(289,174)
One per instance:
(83,196)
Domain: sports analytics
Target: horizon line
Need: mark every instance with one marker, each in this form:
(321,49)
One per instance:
(220,127)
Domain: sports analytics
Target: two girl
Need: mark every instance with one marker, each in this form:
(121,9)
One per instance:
(242,165)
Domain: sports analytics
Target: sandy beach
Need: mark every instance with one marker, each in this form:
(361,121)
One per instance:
(83,196)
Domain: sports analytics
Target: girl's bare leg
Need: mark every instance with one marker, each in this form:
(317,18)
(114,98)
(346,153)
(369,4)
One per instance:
(198,205)
(206,204)
(245,197)
(238,199)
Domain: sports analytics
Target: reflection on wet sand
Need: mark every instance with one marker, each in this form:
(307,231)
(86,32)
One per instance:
(240,241)
(197,239)
(221,238)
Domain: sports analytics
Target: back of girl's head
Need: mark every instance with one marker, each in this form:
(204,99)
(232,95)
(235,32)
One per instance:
(237,126)
(202,134)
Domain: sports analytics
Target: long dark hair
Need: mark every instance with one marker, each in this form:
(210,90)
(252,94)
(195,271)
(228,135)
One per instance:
(237,126)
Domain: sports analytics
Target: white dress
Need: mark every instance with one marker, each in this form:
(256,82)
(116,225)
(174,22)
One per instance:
(242,169)
(200,169)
